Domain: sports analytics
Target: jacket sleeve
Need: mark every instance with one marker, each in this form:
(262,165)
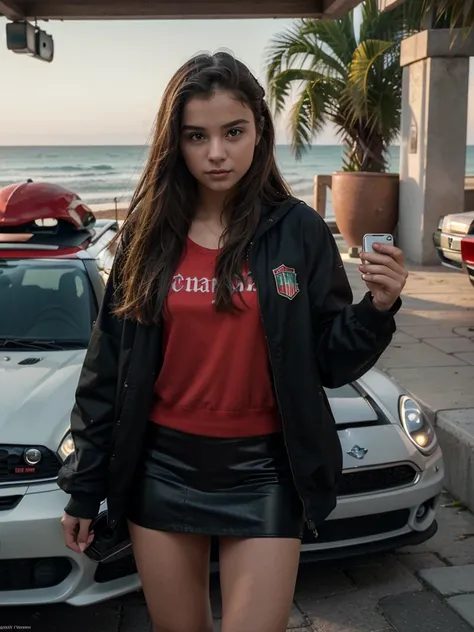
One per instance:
(84,472)
(350,338)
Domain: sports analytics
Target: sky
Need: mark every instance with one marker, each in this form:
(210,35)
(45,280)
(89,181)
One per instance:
(105,83)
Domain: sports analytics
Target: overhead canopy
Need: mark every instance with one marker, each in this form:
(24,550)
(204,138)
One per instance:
(168,9)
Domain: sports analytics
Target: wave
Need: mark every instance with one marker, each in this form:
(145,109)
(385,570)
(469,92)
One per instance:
(63,168)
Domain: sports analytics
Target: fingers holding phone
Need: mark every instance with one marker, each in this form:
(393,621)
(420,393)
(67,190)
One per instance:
(383,269)
(77,534)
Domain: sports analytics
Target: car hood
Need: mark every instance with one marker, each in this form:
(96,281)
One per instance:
(373,394)
(353,409)
(37,397)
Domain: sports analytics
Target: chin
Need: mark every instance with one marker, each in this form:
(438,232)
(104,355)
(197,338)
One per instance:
(220,187)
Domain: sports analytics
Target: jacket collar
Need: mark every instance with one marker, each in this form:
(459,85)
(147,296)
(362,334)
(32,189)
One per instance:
(271,214)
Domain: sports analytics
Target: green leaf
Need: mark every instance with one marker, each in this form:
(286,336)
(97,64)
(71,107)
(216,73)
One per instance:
(336,72)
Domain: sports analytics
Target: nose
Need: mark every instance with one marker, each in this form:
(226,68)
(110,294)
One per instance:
(217,151)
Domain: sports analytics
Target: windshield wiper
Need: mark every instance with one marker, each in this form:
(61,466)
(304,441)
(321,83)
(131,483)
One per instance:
(24,343)
(70,343)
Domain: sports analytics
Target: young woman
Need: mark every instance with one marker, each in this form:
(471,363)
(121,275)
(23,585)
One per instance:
(200,410)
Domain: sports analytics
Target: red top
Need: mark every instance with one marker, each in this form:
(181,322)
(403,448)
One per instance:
(215,379)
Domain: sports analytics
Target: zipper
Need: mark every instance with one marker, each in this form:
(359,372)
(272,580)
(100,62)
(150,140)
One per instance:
(309,522)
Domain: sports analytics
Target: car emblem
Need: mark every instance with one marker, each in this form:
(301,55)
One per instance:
(32,456)
(450,242)
(357,452)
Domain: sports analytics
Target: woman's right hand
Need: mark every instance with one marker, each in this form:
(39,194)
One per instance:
(76,532)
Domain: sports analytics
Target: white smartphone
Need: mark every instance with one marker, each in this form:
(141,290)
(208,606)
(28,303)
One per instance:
(376,238)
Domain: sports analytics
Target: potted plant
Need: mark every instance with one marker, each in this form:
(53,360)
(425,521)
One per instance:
(347,72)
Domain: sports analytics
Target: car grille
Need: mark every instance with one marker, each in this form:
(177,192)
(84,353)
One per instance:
(9,502)
(358,527)
(376,479)
(27,574)
(13,468)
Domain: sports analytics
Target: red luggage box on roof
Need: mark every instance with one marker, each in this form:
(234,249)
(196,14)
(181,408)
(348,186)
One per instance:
(39,219)
(27,203)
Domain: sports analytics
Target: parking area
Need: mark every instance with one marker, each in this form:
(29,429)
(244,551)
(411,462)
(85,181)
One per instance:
(400,591)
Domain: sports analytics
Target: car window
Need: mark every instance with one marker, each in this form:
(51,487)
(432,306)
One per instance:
(45,300)
(44,278)
(106,257)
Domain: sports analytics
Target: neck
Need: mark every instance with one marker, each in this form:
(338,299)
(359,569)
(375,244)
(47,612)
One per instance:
(210,204)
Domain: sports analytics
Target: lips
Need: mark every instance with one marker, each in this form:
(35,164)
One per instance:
(218,172)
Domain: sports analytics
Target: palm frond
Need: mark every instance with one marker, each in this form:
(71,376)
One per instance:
(392,25)
(284,47)
(296,46)
(337,36)
(307,117)
(452,13)
(350,78)
(280,86)
(367,74)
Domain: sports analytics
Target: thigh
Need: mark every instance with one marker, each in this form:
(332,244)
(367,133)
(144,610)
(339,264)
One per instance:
(258,577)
(174,570)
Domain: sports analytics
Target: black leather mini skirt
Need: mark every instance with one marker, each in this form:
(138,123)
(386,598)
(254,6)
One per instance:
(219,487)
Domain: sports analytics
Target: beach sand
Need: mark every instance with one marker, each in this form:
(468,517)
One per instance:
(108,211)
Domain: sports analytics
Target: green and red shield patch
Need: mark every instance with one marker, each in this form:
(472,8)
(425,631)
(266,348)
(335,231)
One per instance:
(286,284)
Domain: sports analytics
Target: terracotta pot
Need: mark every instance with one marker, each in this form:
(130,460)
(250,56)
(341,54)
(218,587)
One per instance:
(364,203)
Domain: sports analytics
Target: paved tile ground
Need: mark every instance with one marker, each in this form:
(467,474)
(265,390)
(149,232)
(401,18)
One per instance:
(414,612)
(375,593)
(464,606)
(432,353)
(450,581)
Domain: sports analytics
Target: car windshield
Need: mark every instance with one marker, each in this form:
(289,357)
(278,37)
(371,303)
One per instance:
(45,304)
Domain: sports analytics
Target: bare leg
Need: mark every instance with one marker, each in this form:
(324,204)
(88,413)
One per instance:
(174,571)
(258,577)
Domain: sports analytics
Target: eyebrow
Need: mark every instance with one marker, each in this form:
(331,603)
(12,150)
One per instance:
(226,126)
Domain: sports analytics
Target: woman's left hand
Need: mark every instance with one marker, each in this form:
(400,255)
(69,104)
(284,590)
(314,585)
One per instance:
(384,274)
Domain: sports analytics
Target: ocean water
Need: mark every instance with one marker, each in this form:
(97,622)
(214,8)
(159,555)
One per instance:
(100,174)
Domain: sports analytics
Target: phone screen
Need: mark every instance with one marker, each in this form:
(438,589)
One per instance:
(374,238)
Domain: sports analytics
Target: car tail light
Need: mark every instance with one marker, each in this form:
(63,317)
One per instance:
(467,250)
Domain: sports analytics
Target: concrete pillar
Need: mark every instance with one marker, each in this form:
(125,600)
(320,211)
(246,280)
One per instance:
(433,136)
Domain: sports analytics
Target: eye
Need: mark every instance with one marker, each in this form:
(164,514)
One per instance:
(235,132)
(196,136)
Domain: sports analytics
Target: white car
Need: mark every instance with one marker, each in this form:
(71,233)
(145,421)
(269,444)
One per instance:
(51,286)
(448,240)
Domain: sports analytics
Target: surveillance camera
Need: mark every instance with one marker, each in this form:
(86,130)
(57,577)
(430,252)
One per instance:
(24,38)
(44,46)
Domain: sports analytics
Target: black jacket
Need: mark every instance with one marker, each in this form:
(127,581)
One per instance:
(316,338)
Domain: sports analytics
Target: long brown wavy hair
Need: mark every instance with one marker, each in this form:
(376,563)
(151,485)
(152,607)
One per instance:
(163,205)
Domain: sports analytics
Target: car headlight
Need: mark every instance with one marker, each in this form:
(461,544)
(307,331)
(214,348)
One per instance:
(67,447)
(416,425)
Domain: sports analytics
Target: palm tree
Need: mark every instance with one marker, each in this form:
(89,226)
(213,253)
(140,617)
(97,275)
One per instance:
(344,74)
(451,13)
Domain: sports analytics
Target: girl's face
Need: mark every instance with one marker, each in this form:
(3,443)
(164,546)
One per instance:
(218,139)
